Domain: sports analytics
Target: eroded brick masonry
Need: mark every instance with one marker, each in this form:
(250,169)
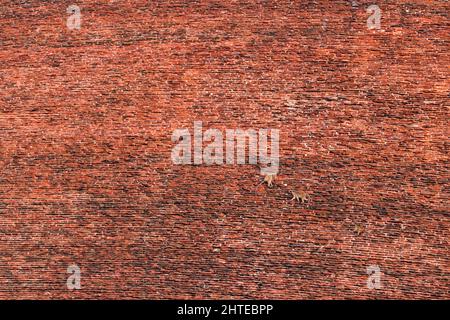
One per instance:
(87,114)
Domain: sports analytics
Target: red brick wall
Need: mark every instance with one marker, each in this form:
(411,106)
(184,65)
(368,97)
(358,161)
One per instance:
(86,118)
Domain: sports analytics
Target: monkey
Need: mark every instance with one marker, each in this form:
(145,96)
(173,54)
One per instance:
(269,178)
(358,230)
(300,196)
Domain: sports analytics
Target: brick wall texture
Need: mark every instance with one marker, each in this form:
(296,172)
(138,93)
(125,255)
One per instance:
(87,115)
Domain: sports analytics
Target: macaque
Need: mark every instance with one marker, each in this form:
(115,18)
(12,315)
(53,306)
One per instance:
(269,178)
(299,196)
(358,230)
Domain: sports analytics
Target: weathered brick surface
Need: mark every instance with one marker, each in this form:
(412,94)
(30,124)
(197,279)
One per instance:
(86,118)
